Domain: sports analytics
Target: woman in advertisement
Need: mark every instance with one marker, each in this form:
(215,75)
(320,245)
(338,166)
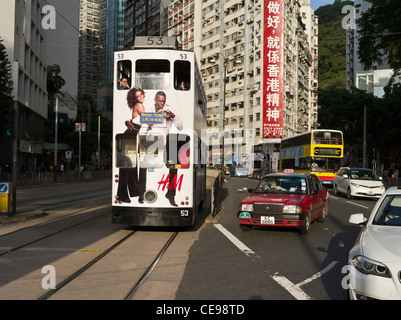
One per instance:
(133,183)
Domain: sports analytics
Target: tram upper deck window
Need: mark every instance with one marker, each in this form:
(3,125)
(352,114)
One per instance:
(124,74)
(152,74)
(182,75)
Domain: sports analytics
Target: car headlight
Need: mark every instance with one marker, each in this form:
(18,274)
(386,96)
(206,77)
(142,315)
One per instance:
(292,209)
(368,266)
(246,207)
(355,184)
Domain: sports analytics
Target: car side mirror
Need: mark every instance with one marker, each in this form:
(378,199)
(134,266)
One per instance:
(251,190)
(357,218)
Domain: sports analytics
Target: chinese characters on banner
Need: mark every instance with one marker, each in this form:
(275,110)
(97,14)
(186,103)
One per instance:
(273,69)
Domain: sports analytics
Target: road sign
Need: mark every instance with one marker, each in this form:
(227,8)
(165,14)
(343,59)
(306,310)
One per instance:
(80,126)
(4,188)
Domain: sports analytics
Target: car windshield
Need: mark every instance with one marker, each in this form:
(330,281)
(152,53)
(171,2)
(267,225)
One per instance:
(361,174)
(389,212)
(282,185)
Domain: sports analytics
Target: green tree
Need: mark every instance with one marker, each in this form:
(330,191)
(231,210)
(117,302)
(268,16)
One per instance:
(6,88)
(54,81)
(380,34)
(331,45)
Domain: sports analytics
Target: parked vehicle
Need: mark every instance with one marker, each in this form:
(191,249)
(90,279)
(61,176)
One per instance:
(375,259)
(358,182)
(285,200)
(240,172)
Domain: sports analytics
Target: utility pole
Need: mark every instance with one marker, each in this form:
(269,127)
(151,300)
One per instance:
(15,158)
(364,137)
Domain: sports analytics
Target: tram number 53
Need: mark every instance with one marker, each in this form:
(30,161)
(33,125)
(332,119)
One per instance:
(184,213)
(155,41)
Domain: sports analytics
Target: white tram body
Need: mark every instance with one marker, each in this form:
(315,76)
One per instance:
(159,177)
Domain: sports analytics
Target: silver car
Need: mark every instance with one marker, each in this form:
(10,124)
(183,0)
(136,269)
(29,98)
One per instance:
(358,182)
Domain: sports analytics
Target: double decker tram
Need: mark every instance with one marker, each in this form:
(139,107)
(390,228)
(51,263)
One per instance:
(319,151)
(159,111)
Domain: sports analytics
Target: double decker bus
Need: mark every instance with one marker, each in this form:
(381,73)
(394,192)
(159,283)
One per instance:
(159,111)
(319,151)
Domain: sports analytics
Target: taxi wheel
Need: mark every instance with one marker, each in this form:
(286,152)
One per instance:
(322,218)
(349,196)
(305,228)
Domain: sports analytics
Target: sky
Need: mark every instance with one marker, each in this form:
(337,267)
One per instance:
(318,3)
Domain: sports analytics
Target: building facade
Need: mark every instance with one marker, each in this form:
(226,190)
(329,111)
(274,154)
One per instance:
(91,46)
(373,78)
(264,53)
(24,38)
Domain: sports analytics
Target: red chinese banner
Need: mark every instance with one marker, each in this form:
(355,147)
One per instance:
(273,86)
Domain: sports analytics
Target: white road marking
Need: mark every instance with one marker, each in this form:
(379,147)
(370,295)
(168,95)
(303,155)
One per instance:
(293,289)
(357,204)
(319,274)
(234,240)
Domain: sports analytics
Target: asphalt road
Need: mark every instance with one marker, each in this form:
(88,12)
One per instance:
(269,263)
(214,261)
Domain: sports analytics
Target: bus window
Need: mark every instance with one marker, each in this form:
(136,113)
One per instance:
(152,74)
(124,72)
(178,148)
(125,151)
(182,75)
(151,151)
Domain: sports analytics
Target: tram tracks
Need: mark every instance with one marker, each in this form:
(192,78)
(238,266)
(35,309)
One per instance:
(132,254)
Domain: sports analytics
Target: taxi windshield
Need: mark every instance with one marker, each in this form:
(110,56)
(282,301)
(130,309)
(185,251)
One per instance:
(296,185)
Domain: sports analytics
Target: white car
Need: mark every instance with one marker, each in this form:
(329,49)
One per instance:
(358,182)
(374,263)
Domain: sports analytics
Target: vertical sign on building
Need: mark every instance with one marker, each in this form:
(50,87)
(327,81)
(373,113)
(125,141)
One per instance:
(273,69)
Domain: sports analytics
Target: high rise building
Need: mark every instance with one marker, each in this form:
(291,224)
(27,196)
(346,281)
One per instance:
(264,53)
(91,46)
(25,39)
(145,18)
(115,13)
(373,78)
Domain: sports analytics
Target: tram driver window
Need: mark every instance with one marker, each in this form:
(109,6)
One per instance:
(124,75)
(152,74)
(178,151)
(182,75)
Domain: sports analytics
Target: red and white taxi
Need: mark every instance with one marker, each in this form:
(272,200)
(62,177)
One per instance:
(285,200)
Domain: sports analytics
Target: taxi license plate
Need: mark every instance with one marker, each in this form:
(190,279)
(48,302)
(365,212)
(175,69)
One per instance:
(267,220)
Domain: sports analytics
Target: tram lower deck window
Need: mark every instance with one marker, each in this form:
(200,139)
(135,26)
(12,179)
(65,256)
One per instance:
(151,151)
(178,149)
(125,151)
(152,74)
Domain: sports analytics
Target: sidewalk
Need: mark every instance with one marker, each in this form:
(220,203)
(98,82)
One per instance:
(211,176)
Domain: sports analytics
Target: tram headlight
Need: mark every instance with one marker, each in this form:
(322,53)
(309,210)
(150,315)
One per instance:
(246,207)
(150,196)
